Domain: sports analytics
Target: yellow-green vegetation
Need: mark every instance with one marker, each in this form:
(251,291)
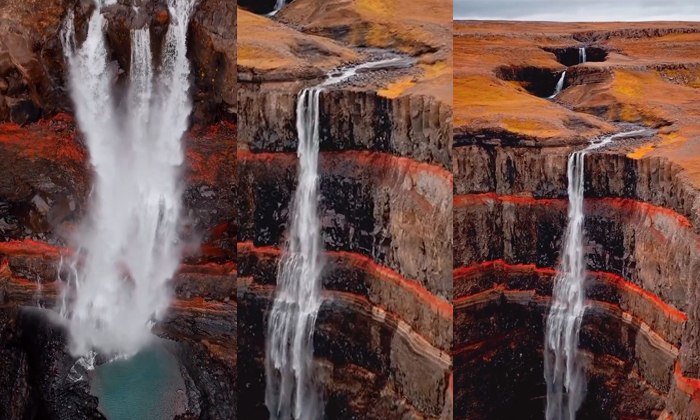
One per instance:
(265,45)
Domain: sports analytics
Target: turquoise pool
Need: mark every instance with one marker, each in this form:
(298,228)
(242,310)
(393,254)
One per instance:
(147,386)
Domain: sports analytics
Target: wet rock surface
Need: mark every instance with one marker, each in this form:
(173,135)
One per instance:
(36,368)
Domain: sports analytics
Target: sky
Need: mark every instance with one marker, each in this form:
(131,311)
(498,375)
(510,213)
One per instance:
(578,10)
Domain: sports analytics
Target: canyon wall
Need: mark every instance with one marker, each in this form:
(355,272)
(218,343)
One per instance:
(387,226)
(510,214)
(383,335)
(639,336)
(44,195)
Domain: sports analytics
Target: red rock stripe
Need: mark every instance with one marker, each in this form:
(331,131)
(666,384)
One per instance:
(627,317)
(30,247)
(380,160)
(689,386)
(201,304)
(408,329)
(461,273)
(440,306)
(626,204)
(360,299)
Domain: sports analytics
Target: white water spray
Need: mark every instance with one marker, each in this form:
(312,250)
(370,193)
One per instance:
(290,391)
(581,55)
(279,5)
(559,87)
(128,248)
(566,384)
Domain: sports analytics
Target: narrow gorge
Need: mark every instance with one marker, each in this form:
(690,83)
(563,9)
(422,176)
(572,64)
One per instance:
(54,243)
(638,338)
(381,337)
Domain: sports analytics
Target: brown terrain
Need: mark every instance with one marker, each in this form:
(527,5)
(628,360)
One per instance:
(641,333)
(45,179)
(384,332)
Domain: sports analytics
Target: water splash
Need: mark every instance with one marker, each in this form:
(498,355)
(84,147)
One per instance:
(566,383)
(128,248)
(559,87)
(581,55)
(290,392)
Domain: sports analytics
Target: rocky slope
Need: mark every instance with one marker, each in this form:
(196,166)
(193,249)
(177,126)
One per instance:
(384,332)
(511,146)
(44,195)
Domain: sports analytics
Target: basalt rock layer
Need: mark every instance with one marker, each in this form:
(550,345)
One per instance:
(639,335)
(384,331)
(44,198)
(386,227)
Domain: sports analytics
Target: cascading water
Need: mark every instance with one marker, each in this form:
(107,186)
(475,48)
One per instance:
(581,55)
(279,5)
(559,87)
(566,384)
(128,249)
(290,392)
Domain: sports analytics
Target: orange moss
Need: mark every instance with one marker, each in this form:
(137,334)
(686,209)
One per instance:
(266,45)
(483,101)
(397,88)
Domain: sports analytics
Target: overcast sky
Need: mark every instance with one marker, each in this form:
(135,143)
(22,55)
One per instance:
(578,10)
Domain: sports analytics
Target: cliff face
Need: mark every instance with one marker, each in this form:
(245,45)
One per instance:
(33,70)
(44,196)
(384,332)
(639,335)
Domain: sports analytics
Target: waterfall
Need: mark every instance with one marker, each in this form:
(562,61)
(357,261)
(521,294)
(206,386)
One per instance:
(279,5)
(581,55)
(559,87)
(566,384)
(128,248)
(290,392)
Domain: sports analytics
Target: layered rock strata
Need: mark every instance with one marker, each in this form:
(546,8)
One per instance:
(45,196)
(639,335)
(384,332)
(386,224)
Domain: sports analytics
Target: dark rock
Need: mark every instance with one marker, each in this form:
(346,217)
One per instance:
(25,112)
